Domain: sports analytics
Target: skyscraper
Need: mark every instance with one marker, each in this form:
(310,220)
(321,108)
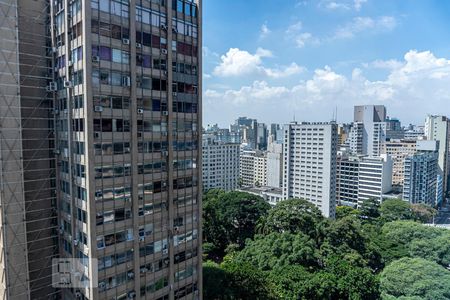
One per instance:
(121,81)
(310,164)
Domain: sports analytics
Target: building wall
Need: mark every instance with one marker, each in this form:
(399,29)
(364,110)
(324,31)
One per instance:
(398,150)
(375,177)
(220,165)
(310,164)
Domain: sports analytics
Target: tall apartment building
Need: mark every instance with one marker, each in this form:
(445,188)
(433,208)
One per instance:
(28,214)
(107,94)
(253,168)
(373,132)
(438,128)
(422,183)
(220,167)
(374,177)
(310,164)
(398,150)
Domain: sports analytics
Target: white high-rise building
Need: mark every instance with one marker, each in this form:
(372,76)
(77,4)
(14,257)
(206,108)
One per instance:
(310,164)
(374,177)
(274,164)
(220,164)
(373,132)
(438,128)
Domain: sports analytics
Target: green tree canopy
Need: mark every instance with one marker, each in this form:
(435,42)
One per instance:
(230,218)
(295,216)
(415,277)
(396,209)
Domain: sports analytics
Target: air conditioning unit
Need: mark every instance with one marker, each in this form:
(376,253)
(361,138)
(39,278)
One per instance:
(164,51)
(165,113)
(138,45)
(51,87)
(174,94)
(95,58)
(140,111)
(61,231)
(174,30)
(55,111)
(176,229)
(130,275)
(143,270)
(141,239)
(98,108)
(67,84)
(163,26)
(126,81)
(78,295)
(132,295)
(56,151)
(165,153)
(166,73)
(75,242)
(70,63)
(97,134)
(126,41)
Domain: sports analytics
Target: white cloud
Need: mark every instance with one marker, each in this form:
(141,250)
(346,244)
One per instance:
(384,64)
(264,31)
(415,86)
(363,24)
(342,4)
(294,32)
(238,62)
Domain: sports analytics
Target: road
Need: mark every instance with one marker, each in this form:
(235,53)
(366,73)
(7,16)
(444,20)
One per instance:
(443,216)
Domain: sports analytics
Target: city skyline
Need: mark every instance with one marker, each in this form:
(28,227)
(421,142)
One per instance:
(286,60)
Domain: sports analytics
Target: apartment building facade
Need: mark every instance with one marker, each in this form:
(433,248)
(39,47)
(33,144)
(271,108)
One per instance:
(310,164)
(107,171)
(220,167)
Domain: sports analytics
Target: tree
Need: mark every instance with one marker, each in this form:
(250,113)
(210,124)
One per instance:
(230,218)
(396,209)
(247,282)
(294,215)
(277,250)
(290,282)
(346,211)
(415,277)
(215,282)
(423,213)
(370,209)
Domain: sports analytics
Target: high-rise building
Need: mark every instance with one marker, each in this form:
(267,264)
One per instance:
(28,211)
(220,164)
(310,164)
(361,177)
(422,182)
(253,168)
(437,128)
(394,129)
(374,177)
(398,150)
(274,164)
(373,119)
(100,118)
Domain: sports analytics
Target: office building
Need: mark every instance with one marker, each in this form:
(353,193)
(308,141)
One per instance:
(437,128)
(103,109)
(398,150)
(270,194)
(394,129)
(220,166)
(422,182)
(347,172)
(310,164)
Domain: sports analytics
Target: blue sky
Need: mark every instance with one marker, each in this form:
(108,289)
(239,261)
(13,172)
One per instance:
(271,59)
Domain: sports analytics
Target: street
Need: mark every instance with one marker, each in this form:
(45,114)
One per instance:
(443,216)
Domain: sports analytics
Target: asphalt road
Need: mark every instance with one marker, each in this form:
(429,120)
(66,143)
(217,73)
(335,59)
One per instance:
(443,216)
